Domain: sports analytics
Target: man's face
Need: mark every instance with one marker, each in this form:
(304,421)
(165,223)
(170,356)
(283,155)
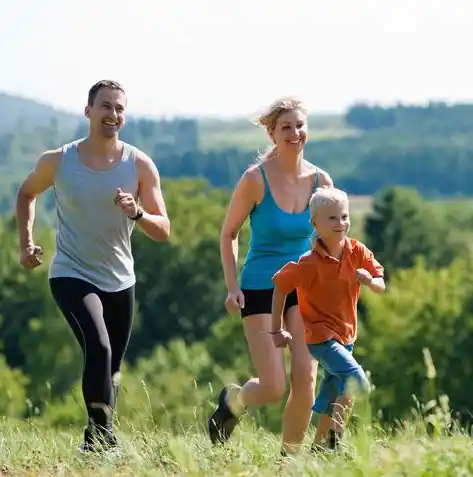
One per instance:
(107,114)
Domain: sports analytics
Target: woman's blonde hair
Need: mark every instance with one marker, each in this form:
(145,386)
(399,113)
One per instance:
(269,118)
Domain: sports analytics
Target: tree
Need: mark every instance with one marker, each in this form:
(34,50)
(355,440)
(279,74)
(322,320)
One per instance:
(423,309)
(402,227)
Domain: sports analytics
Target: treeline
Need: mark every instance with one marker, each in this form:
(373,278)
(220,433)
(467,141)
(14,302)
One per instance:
(184,346)
(428,148)
(434,118)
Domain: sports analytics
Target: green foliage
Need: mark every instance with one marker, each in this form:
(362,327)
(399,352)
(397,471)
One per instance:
(423,309)
(401,227)
(13,395)
(34,335)
(435,117)
(183,336)
(184,347)
(189,260)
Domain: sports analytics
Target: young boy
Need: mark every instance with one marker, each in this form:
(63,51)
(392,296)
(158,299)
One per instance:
(328,280)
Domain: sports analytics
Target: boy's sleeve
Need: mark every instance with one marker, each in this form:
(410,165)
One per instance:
(288,277)
(370,263)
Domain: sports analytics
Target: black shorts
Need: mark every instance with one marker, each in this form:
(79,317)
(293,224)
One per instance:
(259,302)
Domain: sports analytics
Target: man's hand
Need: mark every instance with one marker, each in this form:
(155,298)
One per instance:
(31,256)
(127,203)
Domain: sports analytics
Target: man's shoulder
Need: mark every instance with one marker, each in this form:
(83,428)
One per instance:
(145,166)
(138,154)
(72,143)
(52,156)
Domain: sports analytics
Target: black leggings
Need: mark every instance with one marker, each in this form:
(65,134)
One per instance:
(102,324)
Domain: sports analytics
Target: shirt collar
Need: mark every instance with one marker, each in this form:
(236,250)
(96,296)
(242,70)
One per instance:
(320,249)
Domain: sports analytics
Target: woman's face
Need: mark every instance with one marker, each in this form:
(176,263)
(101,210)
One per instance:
(290,132)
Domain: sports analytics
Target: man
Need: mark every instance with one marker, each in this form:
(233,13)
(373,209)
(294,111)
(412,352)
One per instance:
(97,182)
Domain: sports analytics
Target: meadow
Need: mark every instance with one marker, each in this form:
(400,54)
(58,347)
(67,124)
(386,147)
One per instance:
(30,449)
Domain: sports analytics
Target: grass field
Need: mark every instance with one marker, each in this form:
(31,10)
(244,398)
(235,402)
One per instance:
(242,133)
(28,450)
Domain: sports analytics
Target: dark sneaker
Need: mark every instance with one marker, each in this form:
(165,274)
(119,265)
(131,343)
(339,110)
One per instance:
(88,444)
(334,439)
(331,445)
(222,422)
(96,440)
(98,435)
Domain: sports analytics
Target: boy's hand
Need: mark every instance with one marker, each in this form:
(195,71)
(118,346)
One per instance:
(363,276)
(281,338)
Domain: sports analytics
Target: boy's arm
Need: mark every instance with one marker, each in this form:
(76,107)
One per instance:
(277,308)
(376,270)
(377,285)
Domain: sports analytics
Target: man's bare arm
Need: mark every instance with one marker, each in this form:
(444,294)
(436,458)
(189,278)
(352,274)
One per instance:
(37,182)
(155,222)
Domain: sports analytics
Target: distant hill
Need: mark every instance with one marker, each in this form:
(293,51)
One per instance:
(428,148)
(23,115)
(27,114)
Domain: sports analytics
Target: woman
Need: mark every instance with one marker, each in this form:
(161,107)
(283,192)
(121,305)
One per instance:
(275,195)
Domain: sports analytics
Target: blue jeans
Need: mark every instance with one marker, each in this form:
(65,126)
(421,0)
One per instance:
(339,366)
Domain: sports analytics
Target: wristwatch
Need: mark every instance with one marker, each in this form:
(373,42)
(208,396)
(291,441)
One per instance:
(138,215)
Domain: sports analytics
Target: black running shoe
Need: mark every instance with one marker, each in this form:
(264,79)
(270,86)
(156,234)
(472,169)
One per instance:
(88,444)
(222,421)
(332,445)
(99,437)
(98,441)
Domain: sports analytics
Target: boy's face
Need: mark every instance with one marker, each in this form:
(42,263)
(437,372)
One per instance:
(332,221)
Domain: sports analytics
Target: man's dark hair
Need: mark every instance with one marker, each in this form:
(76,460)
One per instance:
(103,84)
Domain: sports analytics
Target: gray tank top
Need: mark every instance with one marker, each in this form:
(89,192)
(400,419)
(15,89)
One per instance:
(93,236)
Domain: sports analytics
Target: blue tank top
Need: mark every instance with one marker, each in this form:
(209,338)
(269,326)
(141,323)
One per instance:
(276,237)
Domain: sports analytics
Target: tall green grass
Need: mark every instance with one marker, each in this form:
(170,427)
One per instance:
(428,445)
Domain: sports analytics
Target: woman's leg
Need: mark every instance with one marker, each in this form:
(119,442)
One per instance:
(303,377)
(268,361)
(268,387)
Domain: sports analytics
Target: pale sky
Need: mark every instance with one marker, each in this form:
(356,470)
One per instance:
(210,57)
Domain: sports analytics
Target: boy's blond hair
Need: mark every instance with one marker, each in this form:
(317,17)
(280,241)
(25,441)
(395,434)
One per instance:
(326,195)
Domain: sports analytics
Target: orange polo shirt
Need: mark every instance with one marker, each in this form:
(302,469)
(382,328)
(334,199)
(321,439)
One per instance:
(327,290)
